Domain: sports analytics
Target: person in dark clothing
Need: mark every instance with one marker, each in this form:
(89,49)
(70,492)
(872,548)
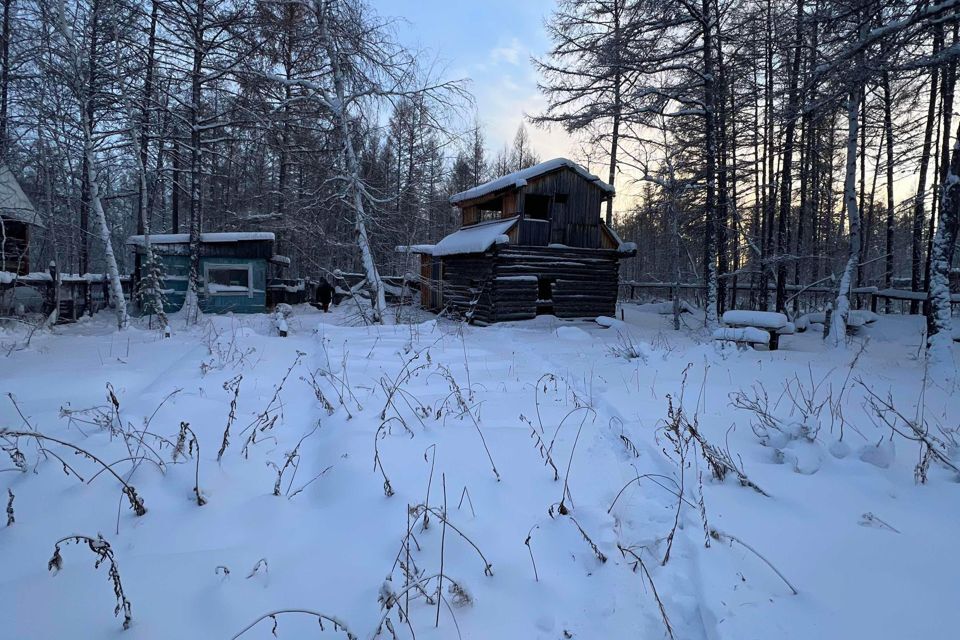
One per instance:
(324,294)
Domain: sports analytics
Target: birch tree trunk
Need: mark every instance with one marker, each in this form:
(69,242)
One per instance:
(710,133)
(354,175)
(940,337)
(90,164)
(841,311)
(116,288)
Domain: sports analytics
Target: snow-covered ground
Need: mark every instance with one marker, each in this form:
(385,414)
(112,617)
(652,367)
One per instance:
(470,422)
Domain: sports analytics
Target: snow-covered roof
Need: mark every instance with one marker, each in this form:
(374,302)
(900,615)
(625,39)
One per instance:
(209,238)
(415,248)
(519,179)
(476,238)
(14,203)
(622,247)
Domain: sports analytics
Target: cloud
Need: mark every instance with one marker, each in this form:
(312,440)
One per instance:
(513,53)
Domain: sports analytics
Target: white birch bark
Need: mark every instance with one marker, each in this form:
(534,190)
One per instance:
(940,342)
(841,311)
(354,178)
(73,53)
(116,289)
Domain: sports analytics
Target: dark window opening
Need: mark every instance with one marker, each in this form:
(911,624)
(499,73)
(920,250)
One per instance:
(492,210)
(536,207)
(560,198)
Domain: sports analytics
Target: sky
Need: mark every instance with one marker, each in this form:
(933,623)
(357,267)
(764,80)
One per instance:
(489,43)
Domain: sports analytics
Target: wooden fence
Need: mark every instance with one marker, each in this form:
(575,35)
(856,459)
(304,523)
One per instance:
(78,294)
(799,298)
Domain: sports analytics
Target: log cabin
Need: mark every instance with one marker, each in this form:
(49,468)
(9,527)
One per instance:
(17,217)
(530,243)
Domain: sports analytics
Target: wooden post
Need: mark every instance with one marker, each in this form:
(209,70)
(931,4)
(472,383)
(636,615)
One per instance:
(52,289)
(873,303)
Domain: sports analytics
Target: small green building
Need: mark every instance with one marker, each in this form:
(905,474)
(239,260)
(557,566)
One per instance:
(233,269)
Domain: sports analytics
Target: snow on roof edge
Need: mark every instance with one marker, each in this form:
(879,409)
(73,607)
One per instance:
(14,203)
(414,248)
(475,238)
(212,238)
(519,179)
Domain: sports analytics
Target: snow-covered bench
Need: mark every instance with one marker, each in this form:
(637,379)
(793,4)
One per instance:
(747,326)
(743,335)
(858,318)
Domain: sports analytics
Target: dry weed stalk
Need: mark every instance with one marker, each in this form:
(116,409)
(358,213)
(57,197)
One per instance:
(466,494)
(319,394)
(627,443)
(720,461)
(223,353)
(593,547)
(266,419)
(653,477)
(378,462)
(16,456)
(101,548)
(389,598)
(262,562)
(932,448)
(443,540)
(541,447)
(676,433)
(722,536)
(336,623)
(638,562)
(433,461)
(191,444)
(466,409)
(536,576)
(420,509)
(292,462)
(561,507)
(391,386)
(10,517)
(136,503)
(233,384)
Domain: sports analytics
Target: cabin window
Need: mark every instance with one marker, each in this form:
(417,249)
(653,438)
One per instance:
(491,210)
(229,279)
(536,207)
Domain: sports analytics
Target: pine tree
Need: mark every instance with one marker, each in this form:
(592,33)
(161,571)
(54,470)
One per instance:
(150,289)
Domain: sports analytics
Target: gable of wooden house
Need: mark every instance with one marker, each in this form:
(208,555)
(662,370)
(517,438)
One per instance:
(532,242)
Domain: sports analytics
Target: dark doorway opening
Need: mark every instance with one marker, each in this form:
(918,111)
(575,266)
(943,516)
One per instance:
(544,296)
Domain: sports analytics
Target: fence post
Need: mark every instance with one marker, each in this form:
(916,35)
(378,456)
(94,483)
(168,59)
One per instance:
(52,289)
